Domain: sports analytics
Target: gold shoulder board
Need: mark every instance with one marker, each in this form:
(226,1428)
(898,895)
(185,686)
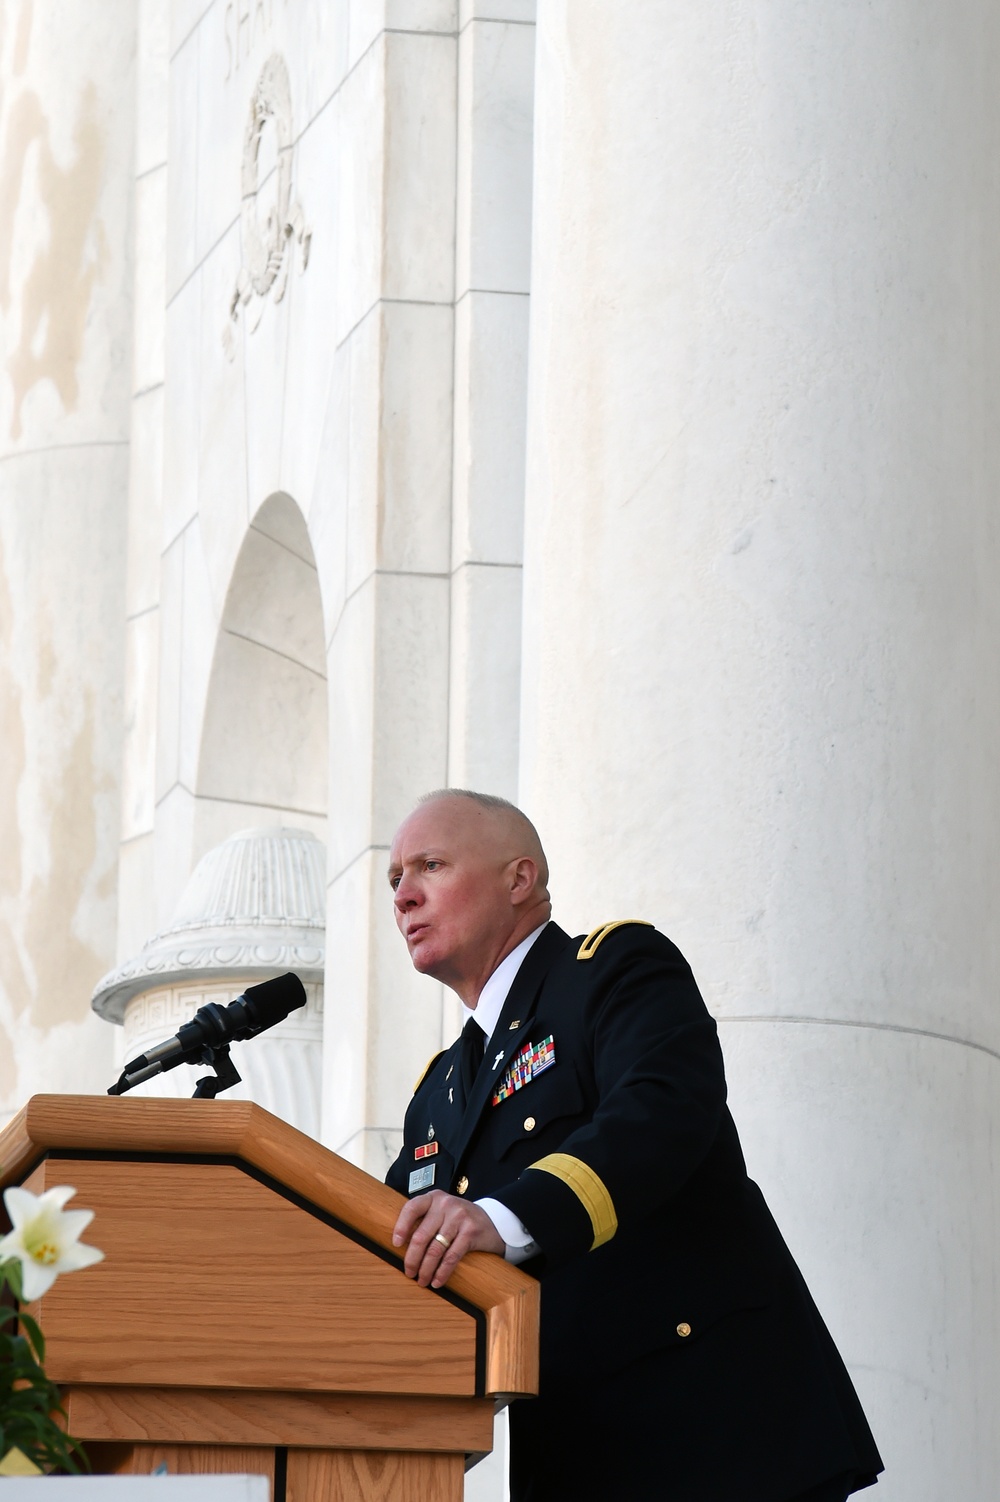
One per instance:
(597,936)
(428,1067)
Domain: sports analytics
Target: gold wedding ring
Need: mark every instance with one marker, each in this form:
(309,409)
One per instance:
(443,1240)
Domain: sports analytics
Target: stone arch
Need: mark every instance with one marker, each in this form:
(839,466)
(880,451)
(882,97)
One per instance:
(263,756)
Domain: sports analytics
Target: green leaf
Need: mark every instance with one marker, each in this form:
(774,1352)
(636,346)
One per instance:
(34,1334)
(10,1273)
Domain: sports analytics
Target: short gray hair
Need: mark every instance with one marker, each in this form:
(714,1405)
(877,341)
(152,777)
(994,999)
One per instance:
(485,800)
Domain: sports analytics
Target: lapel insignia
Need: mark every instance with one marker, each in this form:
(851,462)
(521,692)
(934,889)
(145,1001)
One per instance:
(514,1025)
(425,1150)
(498,1058)
(529,1063)
(450,1070)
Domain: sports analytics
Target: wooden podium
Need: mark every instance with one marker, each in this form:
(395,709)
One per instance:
(251,1313)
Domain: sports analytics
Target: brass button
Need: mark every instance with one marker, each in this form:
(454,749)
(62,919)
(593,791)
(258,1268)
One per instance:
(683,1328)
(529,1123)
(462,1185)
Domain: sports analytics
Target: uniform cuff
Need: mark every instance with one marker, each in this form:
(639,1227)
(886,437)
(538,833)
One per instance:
(559,1221)
(512,1232)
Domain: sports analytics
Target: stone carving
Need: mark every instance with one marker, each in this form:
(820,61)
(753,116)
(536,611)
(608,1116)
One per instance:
(253,907)
(267,248)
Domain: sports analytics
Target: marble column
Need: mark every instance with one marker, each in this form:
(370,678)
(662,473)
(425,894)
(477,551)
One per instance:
(760,701)
(496,55)
(66,140)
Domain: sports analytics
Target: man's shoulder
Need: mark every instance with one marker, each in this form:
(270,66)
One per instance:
(621,938)
(589,944)
(621,950)
(626,964)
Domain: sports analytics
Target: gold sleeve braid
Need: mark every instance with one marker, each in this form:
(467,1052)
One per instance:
(589,1190)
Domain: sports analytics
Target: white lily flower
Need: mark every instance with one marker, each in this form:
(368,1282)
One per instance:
(45,1237)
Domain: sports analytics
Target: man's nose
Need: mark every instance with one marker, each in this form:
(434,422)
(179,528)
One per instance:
(406,895)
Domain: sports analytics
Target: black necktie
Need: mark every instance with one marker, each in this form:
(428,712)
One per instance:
(471,1056)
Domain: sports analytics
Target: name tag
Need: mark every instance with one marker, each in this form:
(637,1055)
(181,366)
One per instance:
(422,1178)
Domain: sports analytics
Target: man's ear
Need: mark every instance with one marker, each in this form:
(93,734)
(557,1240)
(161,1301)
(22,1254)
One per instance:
(523,875)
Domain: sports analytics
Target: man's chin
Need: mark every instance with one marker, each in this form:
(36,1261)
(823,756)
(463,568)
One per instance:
(421,955)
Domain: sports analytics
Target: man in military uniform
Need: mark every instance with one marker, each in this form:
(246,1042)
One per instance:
(579,1126)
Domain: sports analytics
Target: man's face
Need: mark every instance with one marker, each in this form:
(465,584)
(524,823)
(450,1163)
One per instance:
(449,871)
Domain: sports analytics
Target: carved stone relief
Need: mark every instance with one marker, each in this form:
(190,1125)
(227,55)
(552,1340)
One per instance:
(253,907)
(267,239)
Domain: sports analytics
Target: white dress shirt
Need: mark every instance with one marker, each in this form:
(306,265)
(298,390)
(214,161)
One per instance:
(518,1243)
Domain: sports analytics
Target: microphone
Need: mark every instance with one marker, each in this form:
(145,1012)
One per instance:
(214,1027)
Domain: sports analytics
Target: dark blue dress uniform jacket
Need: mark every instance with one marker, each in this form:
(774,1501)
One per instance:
(682,1356)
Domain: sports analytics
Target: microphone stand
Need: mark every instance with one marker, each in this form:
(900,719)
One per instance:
(206,1038)
(225,1075)
(207,1088)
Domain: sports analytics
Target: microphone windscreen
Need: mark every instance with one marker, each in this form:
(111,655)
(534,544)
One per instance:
(272,1000)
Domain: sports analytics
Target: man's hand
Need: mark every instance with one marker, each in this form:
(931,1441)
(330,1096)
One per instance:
(464,1227)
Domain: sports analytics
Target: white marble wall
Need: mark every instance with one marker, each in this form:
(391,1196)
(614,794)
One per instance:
(759,698)
(66,132)
(137,916)
(368,426)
